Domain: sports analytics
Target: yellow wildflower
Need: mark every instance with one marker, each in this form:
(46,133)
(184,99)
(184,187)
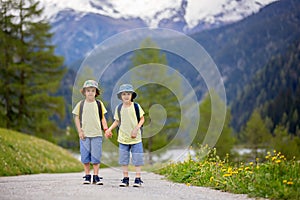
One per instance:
(229,169)
(226,175)
(284,181)
(251,163)
(211,179)
(290,183)
(278,161)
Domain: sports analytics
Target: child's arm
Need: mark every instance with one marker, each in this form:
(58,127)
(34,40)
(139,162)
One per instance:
(79,130)
(104,124)
(136,129)
(108,132)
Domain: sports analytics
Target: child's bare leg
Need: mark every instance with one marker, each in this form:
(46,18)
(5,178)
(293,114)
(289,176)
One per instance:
(86,168)
(125,170)
(96,168)
(138,171)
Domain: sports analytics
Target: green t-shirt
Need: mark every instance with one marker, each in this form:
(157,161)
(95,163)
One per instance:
(128,123)
(91,124)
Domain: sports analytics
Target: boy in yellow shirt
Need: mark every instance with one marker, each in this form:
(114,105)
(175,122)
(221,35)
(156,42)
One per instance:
(90,121)
(129,134)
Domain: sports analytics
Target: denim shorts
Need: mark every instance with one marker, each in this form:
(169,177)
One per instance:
(91,150)
(136,152)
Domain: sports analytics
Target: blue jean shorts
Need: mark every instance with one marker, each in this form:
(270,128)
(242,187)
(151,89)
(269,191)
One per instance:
(136,152)
(91,150)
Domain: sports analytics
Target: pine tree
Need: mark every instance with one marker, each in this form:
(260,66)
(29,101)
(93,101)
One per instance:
(256,132)
(152,95)
(8,41)
(226,139)
(34,72)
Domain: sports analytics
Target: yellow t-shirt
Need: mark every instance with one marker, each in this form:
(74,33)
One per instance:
(128,123)
(91,124)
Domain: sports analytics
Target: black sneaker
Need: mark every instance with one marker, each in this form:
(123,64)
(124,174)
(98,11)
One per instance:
(87,179)
(137,182)
(97,180)
(125,182)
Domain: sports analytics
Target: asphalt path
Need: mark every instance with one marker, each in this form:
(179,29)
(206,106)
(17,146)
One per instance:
(69,186)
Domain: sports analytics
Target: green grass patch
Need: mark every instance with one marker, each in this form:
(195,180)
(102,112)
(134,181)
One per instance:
(24,154)
(274,178)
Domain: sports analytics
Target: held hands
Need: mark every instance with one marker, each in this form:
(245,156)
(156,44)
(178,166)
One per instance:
(108,133)
(134,132)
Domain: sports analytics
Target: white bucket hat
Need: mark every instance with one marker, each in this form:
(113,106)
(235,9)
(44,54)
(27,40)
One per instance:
(90,83)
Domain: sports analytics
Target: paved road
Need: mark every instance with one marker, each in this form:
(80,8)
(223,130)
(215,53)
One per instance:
(69,186)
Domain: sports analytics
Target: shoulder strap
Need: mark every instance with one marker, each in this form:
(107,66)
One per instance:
(137,111)
(119,113)
(99,109)
(80,112)
(100,112)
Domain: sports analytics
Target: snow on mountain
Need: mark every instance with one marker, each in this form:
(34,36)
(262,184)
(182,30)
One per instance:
(79,25)
(153,11)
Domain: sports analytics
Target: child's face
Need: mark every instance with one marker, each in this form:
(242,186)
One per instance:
(126,96)
(90,93)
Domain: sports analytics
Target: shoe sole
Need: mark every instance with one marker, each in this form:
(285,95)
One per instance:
(123,185)
(137,185)
(86,183)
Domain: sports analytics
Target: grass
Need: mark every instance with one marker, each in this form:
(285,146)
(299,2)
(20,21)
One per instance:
(274,178)
(24,154)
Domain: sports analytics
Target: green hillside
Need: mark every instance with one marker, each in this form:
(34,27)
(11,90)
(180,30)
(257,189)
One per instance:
(24,154)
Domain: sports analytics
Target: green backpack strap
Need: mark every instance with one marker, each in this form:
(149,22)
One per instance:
(99,111)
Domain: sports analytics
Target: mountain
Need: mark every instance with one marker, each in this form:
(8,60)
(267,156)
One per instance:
(243,48)
(275,90)
(80,25)
(239,49)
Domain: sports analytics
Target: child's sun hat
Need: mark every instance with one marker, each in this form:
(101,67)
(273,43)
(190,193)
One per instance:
(126,88)
(90,83)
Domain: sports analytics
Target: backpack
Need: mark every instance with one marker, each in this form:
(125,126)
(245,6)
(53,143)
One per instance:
(137,113)
(99,110)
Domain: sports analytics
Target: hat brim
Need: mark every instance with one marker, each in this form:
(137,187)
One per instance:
(134,95)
